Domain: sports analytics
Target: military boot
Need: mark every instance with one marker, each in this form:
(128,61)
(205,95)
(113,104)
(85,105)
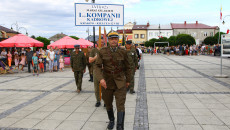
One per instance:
(111,119)
(91,77)
(120,120)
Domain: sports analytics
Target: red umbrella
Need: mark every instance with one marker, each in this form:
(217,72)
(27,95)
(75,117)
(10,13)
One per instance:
(21,40)
(85,42)
(66,42)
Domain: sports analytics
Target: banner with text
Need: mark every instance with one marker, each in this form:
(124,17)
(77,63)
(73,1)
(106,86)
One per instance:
(99,14)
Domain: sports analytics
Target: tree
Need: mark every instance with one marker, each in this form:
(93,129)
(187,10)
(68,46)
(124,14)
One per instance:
(44,40)
(217,36)
(172,40)
(74,37)
(33,37)
(185,39)
(210,40)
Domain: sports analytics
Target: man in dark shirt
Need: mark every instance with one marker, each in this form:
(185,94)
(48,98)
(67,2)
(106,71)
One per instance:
(29,55)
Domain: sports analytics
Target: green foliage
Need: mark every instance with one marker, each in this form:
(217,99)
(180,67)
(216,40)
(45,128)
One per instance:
(210,40)
(185,39)
(44,40)
(33,37)
(74,37)
(172,41)
(217,36)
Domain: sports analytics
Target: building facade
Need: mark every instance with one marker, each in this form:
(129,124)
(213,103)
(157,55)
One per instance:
(198,30)
(140,34)
(157,31)
(6,33)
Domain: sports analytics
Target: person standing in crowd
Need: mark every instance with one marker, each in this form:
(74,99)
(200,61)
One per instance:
(41,61)
(4,54)
(51,56)
(15,52)
(23,51)
(61,61)
(9,57)
(138,55)
(131,52)
(58,53)
(35,63)
(55,62)
(114,78)
(92,59)
(78,65)
(23,61)
(90,67)
(16,61)
(45,54)
(29,55)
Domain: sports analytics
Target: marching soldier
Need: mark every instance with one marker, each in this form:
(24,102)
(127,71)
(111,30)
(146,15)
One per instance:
(134,64)
(90,66)
(78,65)
(114,78)
(92,59)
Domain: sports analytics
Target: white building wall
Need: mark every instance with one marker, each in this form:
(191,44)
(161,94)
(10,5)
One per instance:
(156,33)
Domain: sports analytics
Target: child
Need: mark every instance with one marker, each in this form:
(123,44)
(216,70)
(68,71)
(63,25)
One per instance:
(16,61)
(55,63)
(35,63)
(9,58)
(61,61)
(23,61)
(41,61)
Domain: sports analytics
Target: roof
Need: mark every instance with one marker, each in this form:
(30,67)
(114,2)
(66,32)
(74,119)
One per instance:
(140,27)
(126,31)
(162,27)
(57,37)
(192,26)
(7,30)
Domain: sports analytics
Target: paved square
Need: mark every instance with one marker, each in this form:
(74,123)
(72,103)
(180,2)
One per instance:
(173,93)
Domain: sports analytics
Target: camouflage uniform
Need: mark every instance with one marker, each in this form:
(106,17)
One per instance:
(133,59)
(90,66)
(93,53)
(78,64)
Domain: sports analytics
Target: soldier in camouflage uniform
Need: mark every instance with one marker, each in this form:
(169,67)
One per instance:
(90,65)
(78,65)
(114,78)
(134,64)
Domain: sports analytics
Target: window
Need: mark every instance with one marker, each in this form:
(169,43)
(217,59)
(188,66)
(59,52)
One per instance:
(156,33)
(142,36)
(150,34)
(136,36)
(211,34)
(194,34)
(205,34)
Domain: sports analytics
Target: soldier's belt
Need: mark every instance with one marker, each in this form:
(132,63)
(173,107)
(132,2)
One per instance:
(113,72)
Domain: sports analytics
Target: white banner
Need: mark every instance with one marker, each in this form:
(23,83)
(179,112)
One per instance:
(99,14)
(225,45)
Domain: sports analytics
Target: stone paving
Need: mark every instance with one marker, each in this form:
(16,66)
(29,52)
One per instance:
(173,93)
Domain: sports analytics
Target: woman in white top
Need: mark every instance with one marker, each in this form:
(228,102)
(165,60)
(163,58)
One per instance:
(51,56)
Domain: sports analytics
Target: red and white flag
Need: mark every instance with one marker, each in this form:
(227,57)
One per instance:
(221,13)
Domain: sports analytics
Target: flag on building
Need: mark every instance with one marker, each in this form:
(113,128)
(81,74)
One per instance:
(228,31)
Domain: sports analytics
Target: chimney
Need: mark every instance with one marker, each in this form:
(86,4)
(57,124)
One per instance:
(196,22)
(148,24)
(185,22)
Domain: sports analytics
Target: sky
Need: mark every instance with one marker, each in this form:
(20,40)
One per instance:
(48,17)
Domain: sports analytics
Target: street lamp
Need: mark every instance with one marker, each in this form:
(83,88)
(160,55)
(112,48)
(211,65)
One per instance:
(18,28)
(87,31)
(224,18)
(94,41)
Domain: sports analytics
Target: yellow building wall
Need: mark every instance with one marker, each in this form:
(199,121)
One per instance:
(139,40)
